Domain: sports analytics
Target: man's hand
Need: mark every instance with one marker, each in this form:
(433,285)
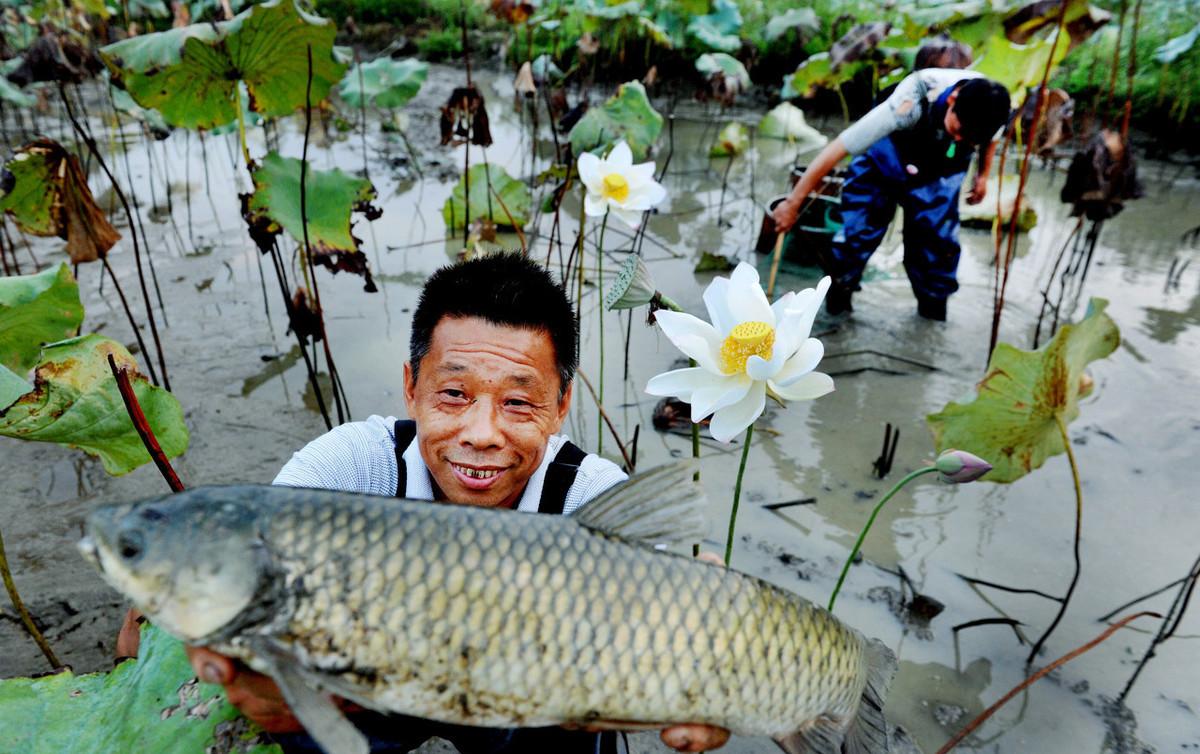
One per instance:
(978,190)
(255,694)
(785,214)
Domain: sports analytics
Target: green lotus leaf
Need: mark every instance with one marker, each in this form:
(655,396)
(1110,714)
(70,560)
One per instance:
(816,72)
(145,9)
(124,103)
(803,20)
(719,63)
(1019,66)
(626,115)
(384,82)
(608,11)
(718,30)
(14,95)
(514,197)
(786,121)
(34,310)
(12,386)
(1013,420)
(331,197)
(49,196)
(191,74)
(732,140)
(1170,50)
(150,704)
(75,402)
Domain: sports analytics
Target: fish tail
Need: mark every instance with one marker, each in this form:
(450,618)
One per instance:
(866,732)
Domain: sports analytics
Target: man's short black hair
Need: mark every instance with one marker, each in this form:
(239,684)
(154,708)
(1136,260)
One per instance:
(504,289)
(982,107)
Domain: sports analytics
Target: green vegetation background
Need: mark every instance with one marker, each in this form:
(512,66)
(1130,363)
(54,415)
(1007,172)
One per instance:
(1161,93)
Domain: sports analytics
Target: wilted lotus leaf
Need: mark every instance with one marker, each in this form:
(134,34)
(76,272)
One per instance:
(384,82)
(331,196)
(718,30)
(858,42)
(464,119)
(726,75)
(149,704)
(35,310)
(1080,19)
(626,115)
(1013,421)
(507,207)
(732,140)
(191,74)
(75,402)
(816,72)
(55,56)
(49,196)
(513,11)
(304,318)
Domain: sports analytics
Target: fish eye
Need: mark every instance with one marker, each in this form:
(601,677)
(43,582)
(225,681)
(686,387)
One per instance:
(130,544)
(152,514)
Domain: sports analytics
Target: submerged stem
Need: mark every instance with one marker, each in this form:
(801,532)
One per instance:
(26,618)
(862,535)
(737,495)
(1066,600)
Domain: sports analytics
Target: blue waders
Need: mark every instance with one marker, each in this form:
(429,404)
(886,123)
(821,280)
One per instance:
(883,177)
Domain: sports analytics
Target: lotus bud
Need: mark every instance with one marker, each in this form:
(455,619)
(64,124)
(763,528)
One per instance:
(632,287)
(959,466)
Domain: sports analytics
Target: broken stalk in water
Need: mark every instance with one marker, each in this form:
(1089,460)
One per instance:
(144,430)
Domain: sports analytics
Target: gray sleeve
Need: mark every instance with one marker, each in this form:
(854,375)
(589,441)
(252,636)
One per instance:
(353,457)
(595,476)
(899,111)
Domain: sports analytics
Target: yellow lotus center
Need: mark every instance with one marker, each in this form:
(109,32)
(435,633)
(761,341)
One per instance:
(746,340)
(615,187)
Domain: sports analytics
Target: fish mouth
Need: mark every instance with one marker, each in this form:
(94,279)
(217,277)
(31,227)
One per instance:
(87,548)
(477,477)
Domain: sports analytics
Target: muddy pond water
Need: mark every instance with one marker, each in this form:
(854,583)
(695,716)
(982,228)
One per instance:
(243,387)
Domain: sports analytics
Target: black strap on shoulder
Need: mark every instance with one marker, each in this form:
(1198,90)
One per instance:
(405,431)
(559,477)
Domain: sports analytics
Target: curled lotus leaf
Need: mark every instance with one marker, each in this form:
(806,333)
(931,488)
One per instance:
(1013,420)
(35,310)
(48,195)
(626,115)
(149,704)
(384,82)
(191,74)
(506,203)
(75,402)
(733,139)
(719,29)
(332,196)
(722,64)
(817,72)
(803,20)
(786,121)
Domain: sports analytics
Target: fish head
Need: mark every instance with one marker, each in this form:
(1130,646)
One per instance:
(192,562)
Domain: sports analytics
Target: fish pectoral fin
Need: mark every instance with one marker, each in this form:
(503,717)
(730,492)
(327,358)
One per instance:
(315,709)
(662,505)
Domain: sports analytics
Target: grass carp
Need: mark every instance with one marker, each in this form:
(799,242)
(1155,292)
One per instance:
(484,617)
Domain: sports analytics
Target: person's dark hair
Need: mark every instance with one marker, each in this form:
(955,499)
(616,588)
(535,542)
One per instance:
(982,107)
(504,289)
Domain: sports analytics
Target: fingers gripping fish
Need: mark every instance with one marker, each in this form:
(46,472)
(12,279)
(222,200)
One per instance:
(482,617)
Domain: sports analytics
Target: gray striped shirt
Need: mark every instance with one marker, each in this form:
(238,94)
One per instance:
(361,457)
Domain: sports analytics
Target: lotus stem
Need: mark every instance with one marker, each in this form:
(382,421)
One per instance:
(665,302)
(1038,675)
(26,618)
(1062,608)
(737,492)
(242,126)
(862,535)
(600,376)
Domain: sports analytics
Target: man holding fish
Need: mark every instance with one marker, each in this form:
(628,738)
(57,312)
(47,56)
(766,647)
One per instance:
(500,632)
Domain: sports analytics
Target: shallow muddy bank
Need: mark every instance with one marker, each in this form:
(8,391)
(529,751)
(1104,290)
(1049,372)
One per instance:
(242,384)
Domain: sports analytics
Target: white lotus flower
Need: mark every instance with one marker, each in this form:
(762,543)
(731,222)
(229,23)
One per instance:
(751,348)
(615,183)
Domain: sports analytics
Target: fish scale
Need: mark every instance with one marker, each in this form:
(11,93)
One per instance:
(550,622)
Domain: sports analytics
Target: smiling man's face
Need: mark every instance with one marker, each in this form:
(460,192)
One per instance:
(486,400)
